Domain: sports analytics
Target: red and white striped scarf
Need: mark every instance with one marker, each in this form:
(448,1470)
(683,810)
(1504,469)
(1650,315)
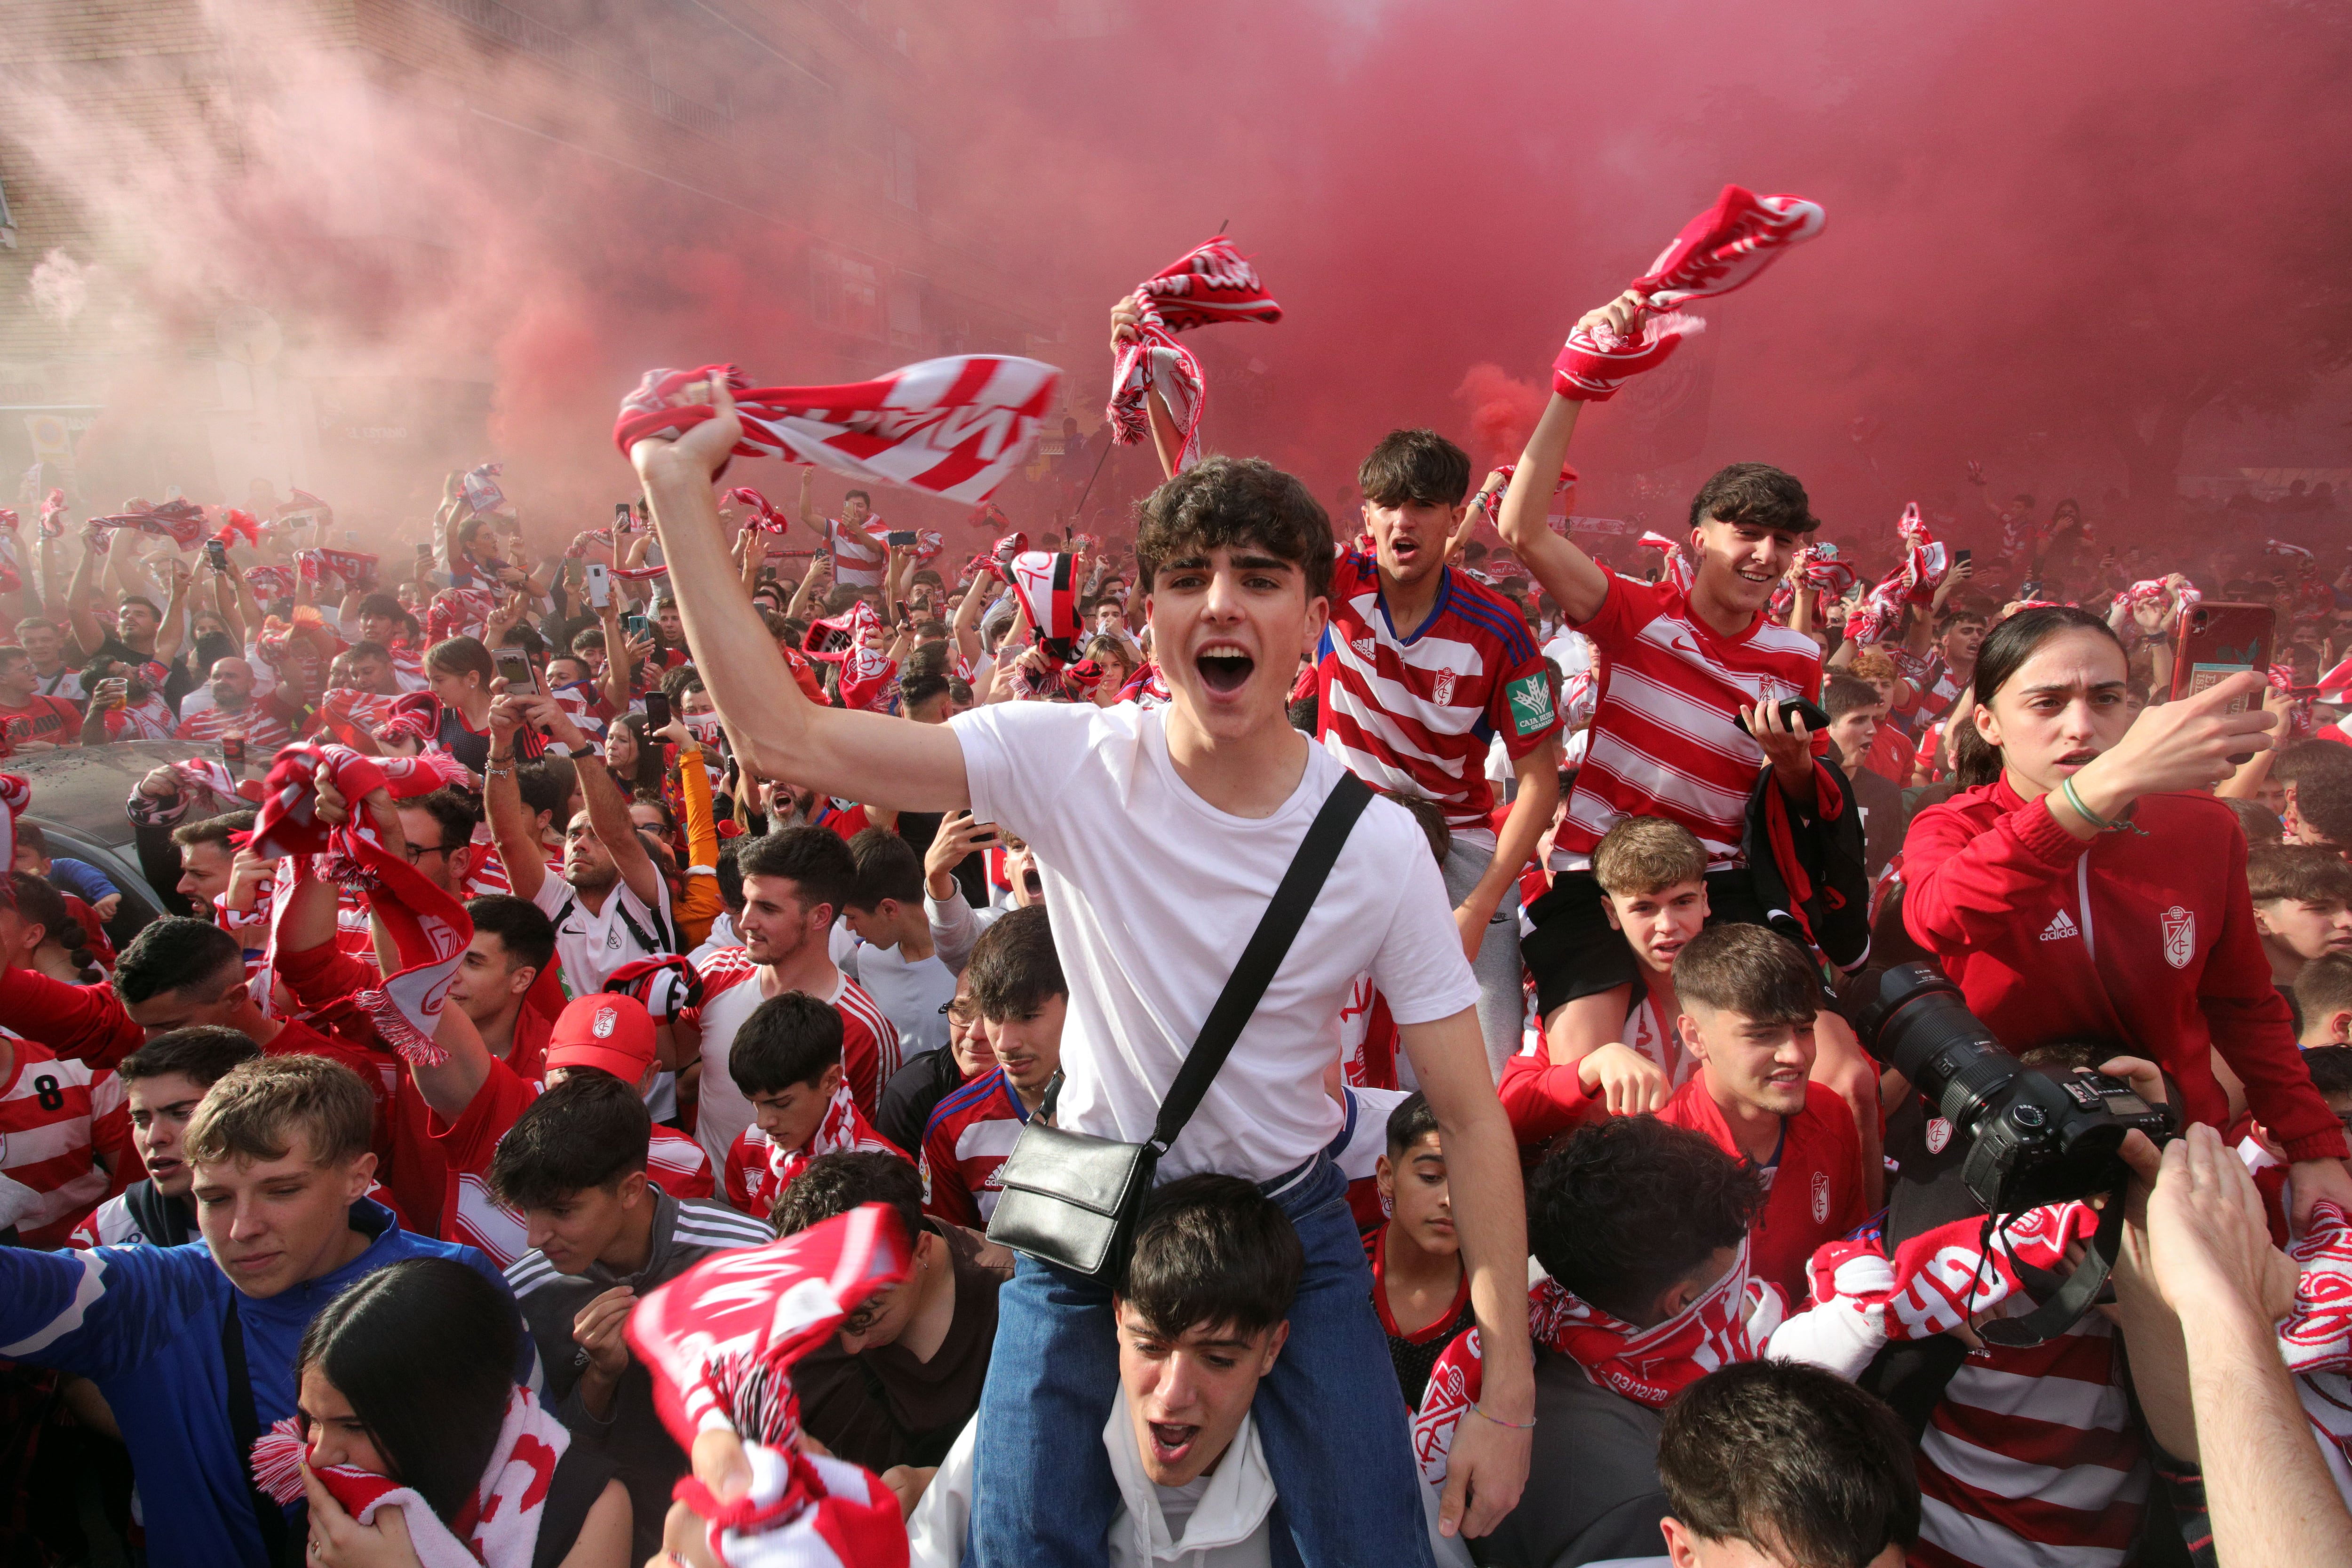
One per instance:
(1148,687)
(1732,1322)
(1723,248)
(1678,566)
(181,522)
(1211,283)
(1945,1276)
(2316,1338)
(1490,500)
(357,568)
(458,613)
(851,640)
(270,581)
(1924,563)
(53,515)
(499,1527)
(761,513)
(958,427)
(303,501)
(429,927)
(720,1340)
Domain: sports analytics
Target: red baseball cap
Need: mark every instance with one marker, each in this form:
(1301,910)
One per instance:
(604,1030)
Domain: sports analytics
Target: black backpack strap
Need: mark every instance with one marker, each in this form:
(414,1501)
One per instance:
(1276,929)
(245,1427)
(162,1221)
(656,945)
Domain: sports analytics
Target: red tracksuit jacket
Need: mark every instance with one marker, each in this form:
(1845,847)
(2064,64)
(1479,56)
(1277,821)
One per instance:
(2148,942)
(1816,1195)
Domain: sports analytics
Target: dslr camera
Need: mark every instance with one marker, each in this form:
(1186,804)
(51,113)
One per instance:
(2035,1135)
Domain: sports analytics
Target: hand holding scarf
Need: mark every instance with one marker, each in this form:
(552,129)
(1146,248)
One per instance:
(1926,562)
(958,427)
(1210,283)
(1723,248)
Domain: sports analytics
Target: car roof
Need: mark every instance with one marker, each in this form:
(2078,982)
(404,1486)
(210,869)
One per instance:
(84,789)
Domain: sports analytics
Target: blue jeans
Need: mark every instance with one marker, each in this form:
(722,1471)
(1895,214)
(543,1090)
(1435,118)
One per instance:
(1329,1415)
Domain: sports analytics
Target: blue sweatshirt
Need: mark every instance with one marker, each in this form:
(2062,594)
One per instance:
(82,879)
(144,1323)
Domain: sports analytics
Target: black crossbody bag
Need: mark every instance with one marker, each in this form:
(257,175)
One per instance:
(1071,1200)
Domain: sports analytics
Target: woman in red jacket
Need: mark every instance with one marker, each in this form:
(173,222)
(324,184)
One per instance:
(2088,893)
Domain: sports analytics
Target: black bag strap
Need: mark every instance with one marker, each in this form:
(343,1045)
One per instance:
(1268,944)
(161,1220)
(244,1425)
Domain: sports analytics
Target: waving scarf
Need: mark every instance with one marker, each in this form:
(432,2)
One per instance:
(1817,571)
(458,613)
(1490,501)
(759,512)
(355,568)
(1678,566)
(845,640)
(1725,248)
(1924,565)
(270,581)
(303,501)
(499,1527)
(720,1341)
(237,524)
(956,427)
(481,490)
(1211,283)
(429,927)
(53,515)
(181,522)
(640,573)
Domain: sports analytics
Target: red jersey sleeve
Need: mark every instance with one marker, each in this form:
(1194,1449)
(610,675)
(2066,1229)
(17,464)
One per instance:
(468,1142)
(1541,1100)
(84,1023)
(318,975)
(1969,886)
(1625,609)
(1522,709)
(944,1192)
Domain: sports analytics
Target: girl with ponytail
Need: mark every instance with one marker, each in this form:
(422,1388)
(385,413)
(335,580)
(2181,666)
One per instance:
(2096,889)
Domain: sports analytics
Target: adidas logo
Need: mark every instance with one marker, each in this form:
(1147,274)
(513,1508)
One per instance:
(2060,928)
(1362,646)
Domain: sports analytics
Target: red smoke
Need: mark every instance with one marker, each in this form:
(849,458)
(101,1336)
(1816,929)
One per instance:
(2057,234)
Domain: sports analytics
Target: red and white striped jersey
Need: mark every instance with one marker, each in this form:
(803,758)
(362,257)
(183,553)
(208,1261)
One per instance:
(1415,713)
(970,1134)
(858,552)
(54,1114)
(756,1171)
(1666,738)
(263,727)
(674,1162)
(2032,1456)
(870,1053)
(149,720)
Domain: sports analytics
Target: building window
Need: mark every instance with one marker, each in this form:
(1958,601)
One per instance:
(898,173)
(846,294)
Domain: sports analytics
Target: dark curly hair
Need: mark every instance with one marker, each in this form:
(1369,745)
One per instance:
(1619,1212)
(1754,493)
(1223,502)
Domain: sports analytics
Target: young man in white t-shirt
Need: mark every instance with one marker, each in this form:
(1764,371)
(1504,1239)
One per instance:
(1161,834)
(611,906)
(895,958)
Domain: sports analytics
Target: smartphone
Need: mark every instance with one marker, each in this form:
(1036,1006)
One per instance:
(636,625)
(901,538)
(217,554)
(233,751)
(1792,709)
(1962,557)
(657,711)
(600,583)
(622,517)
(2218,639)
(515,666)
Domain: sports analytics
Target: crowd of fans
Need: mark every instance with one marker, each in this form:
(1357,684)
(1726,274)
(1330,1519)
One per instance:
(792,885)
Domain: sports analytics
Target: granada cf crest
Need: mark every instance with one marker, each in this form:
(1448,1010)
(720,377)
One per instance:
(2180,937)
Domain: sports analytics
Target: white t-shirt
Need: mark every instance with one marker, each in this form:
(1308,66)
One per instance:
(1154,893)
(591,946)
(913,996)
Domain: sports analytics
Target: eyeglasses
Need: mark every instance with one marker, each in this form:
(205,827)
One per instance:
(962,1012)
(416,852)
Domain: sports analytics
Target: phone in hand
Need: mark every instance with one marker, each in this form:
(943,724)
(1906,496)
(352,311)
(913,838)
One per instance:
(657,711)
(600,583)
(514,666)
(1793,709)
(2218,639)
(217,554)
(1962,557)
(901,538)
(623,518)
(636,625)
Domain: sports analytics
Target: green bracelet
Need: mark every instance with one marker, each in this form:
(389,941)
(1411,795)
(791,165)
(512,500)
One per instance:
(2120,825)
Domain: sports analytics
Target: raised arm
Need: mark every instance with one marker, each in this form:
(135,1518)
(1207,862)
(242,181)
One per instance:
(1573,579)
(510,830)
(774,726)
(1167,441)
(607,807)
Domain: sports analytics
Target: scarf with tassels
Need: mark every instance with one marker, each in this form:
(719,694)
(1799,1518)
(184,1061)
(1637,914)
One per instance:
(1723,248)
(958,427)
(1211,283)
(720,1340)
(181,522)
(499,1527)
(1924,565)
(1678,566)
